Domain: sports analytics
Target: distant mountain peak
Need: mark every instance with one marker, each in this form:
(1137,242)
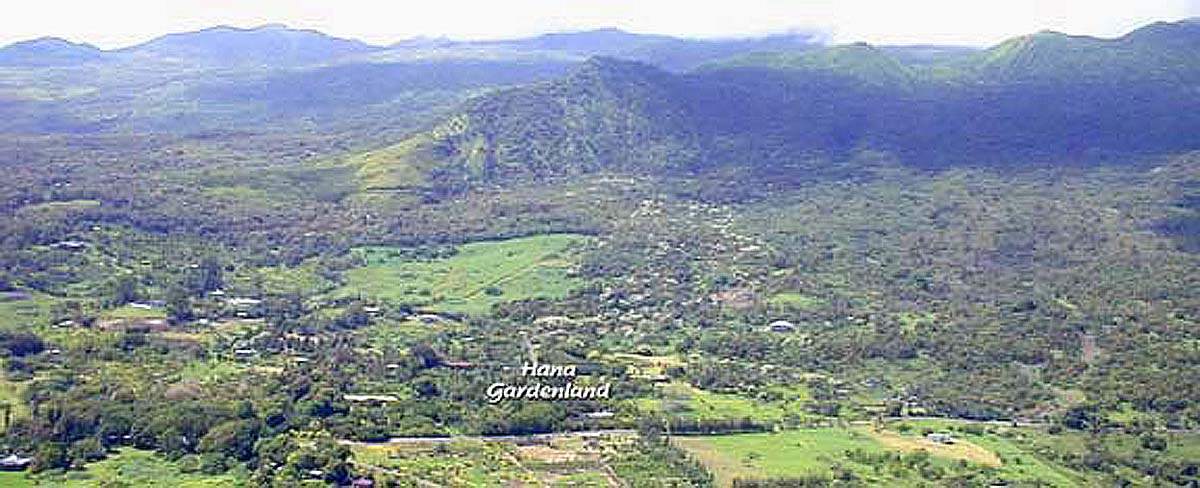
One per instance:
(50,41)
(269,44)
(1184,32)
(608,68)
(862,61)
(47,51)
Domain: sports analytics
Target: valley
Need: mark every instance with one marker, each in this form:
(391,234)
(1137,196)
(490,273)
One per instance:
(797,265)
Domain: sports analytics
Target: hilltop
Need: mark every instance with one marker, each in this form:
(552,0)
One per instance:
(1045,96)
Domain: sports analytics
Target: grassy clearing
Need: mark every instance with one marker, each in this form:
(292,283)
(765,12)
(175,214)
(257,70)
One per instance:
(9,479)
(813,452)
(1180,447)
(959,449)
(210,372)
(796,300)
(301,280)
(784,454)
(133,467)
(1017,449)
(679,399)
(24,315)
(128,312)
(480,275)
(1021,464)
(403,165)
(60,205)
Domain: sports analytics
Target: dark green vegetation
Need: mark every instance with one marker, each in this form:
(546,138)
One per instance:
(245,289)
(1040,98)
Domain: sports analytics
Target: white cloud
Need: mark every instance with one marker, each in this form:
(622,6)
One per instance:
(117,23)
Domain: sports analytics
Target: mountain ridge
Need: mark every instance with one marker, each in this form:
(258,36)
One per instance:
(1045,96)
(47,51)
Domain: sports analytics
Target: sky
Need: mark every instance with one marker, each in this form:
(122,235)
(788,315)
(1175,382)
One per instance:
(112,24)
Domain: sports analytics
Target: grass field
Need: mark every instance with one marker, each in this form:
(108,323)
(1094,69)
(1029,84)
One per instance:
(784,454)
(128,312)
(9,479)
(61,205)
(132,467)
(480,275)
(302,280)
(22,315)
(810,452)
(959,449)
(795,300)
(680,399)
(1017,450)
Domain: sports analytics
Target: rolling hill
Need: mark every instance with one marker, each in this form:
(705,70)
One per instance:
(1044,97)
(48,51)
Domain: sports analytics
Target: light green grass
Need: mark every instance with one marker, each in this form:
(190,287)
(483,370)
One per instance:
(1021,462)
(530,267)
(132,467)
(403,165)
(61,205)
(785,454)
(1022,465)
(212,371)
(25,315)
(10,479)
(685,401)
(301,280)
(796,300)
(128,312)
(813,451)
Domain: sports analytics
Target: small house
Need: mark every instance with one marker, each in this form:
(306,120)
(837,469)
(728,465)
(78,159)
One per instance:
(782,327)
(370,398)
(940,438)
(13,462)
(69,245)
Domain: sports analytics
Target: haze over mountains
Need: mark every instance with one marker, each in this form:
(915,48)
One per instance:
(279,78)
(608,99)
(277,45)
(1036,98)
